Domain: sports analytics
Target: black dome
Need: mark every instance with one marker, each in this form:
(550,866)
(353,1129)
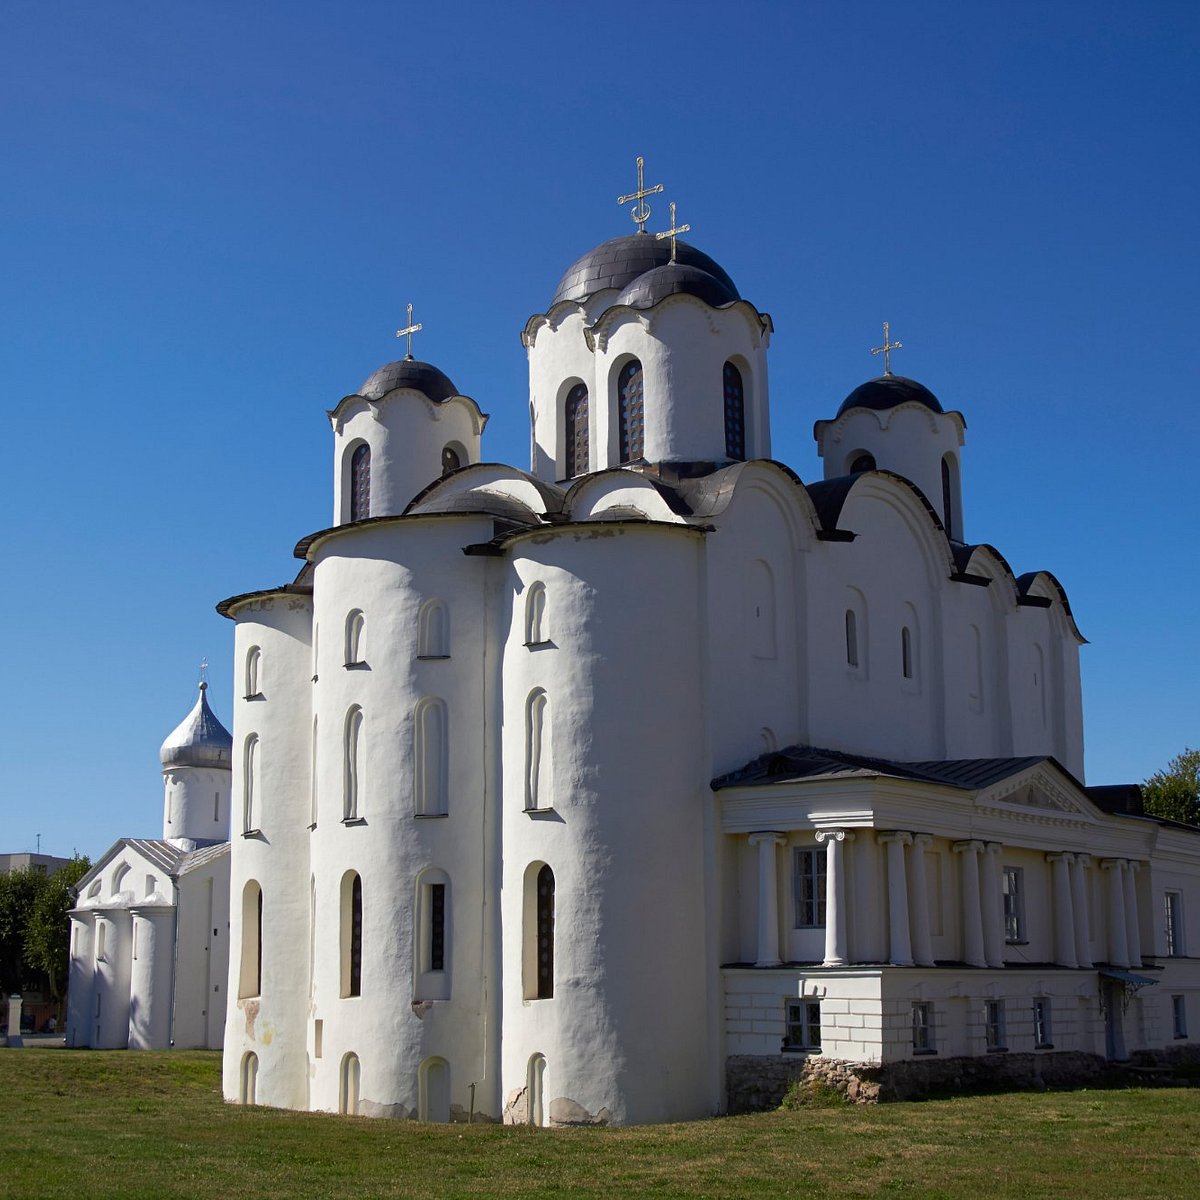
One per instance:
(671,279)
(618,262)
(887,392)
(408,373)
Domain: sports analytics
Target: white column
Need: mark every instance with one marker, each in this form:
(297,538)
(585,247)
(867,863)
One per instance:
(1118,946)
(918,902)
(972,915)
(1083,920)
(1064,910)
(991,909)
(1133,933)
(897,877)
(768,898)
(15,1041)
(836,950)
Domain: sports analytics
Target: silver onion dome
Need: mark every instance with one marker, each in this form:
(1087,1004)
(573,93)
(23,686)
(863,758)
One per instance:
(200,740)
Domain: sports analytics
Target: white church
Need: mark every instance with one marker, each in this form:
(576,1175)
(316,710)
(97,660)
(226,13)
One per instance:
(150,928)
(627,787)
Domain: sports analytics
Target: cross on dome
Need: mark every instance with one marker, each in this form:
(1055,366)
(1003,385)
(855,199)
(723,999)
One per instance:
(641,210)
(203,674)
(886,349)
(408,331)
(672,232)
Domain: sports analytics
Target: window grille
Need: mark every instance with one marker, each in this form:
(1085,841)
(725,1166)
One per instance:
(808,868)
(632,418)
(1012,885)
(437,926)
(735,413)
(360,483)
(576,430)
(545,933)
(356,922)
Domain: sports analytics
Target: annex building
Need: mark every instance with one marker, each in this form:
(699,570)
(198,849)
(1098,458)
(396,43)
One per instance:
(624,787)
(150,927)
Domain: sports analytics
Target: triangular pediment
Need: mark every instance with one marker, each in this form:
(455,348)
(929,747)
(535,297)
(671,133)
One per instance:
(1043,790)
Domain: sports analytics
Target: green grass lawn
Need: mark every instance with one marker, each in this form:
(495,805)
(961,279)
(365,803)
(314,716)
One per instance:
(88,1124)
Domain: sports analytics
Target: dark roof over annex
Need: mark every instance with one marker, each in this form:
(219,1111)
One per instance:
(408,373)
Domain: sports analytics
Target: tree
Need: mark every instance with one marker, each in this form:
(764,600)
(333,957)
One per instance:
(48,928)
(18,894)
(1175,792)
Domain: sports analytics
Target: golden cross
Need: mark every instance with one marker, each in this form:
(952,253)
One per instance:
(886,349)
(408,331)
(641,210)
(672,232)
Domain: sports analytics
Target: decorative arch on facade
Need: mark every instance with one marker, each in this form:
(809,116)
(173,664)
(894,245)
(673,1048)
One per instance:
(433,1091)
(576,432)
(535,614)
(537,750)
(312,783)
(355,629)
(349,1082)
(250,965)
(631,418)
(118,877)
(432,936)
(432,757)
(537,943)
(735,412)
(253,673)
(859,461)
(352,762)
(760,609)
(910,647)
(351,934)
(250,784)
(433,629)
(452,458)
(975,682)
(360,482)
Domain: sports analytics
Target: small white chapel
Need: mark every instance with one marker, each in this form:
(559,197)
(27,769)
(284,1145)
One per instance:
(150,927)
(632,785)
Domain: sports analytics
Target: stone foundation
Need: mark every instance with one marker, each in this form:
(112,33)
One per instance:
(755,1084)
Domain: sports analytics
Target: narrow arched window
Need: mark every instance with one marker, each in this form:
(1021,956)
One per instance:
(348,1084)
(351,934)
(253,667)
(906,652)
(352,768)
(631,417)
(432,758)
(545,933)
(360,483)
(312,783)
(450,460)
(535,614)
(433,1091)
(248,1084)
(535,751)
(947,497)
(735,413)
(862,462)
(250,767)
(250,973)
(433,934)
(851,638)
(355,627)
(433,630)
(575,426)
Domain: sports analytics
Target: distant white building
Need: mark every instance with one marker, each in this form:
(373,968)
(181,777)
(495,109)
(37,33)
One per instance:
(43,864)
(623,788)
(149,933)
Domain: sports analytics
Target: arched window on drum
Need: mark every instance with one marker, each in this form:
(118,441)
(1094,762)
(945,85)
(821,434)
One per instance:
(735,413)
(575,430)
(630,411)
(360,483)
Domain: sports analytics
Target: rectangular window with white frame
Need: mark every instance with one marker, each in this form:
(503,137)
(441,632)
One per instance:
(802,1025)
(1013,885)
(923,1041)
(1179,1013)
(1173,923)
(1043,1030)
(994,1025)
(808,887)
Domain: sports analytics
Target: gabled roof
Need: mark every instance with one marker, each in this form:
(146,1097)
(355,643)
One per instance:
(812,762)
(158,852)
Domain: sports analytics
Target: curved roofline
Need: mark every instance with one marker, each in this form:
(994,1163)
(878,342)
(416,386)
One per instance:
(480,417)
(1026,581)
(225,607)
(673,500)
(304,546)
(828,422)
(501,542)
(552,495)
(762,321)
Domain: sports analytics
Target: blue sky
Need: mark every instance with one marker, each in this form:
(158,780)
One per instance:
(212,216)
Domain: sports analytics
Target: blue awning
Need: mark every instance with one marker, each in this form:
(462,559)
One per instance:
(1128,978)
